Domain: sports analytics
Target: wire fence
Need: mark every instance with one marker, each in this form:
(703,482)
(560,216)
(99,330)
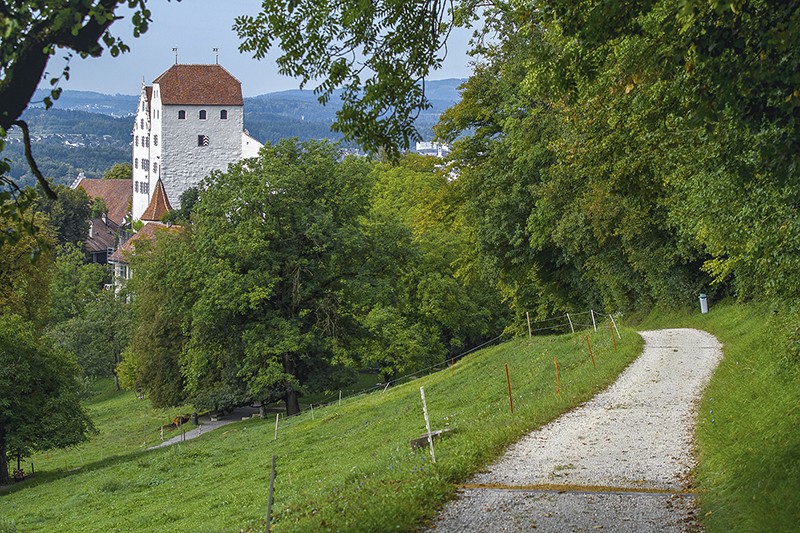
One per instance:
(567,323)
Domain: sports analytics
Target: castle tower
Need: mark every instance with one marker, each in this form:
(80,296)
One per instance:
(188,123)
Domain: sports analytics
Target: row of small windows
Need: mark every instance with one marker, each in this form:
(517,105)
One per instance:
(203,115)
(146,141)
(145,164)
(141,187)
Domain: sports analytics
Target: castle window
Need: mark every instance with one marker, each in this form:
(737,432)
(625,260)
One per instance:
(202,140)
(155,140)
(136,163)
(136,186)
(155,167)
(181,115)
(202,114)
(223,114)
(136,142)
(145,164)
(142,124)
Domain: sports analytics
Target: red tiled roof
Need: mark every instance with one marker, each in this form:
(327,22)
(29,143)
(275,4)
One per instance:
(117,195)
(199,85)
(148,232)
(103,235)
(159,204)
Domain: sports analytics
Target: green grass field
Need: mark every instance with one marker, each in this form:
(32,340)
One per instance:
(748,432)
(347,467)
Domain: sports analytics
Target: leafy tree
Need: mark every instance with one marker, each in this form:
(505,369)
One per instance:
(163,281)
(69,214)
(98,336)
(183,215)
(74,284)
(120,171)
(25,270)
(416,308)
(277,238)
(40,405)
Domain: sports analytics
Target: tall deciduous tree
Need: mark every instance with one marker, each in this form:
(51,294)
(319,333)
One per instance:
(40,404)
(277,238)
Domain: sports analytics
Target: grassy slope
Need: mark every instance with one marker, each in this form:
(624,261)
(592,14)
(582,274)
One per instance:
(747,435)
(347,468)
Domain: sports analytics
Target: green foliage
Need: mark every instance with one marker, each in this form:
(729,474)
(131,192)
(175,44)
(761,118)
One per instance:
(277,239)
(162,285)
(97,336)
(398,45)
(73,284)
(183,215)
(69,214)
(39,394)
(26,264)
(120,171)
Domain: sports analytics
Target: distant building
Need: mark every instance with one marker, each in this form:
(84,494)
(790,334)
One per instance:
(115,193)
(112,228)
(433,148)
(189,122)
(158,207)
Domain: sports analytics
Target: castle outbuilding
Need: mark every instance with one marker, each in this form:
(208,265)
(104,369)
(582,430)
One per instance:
(189,122)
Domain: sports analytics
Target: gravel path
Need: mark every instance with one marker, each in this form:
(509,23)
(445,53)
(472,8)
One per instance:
(208,424)
(620,462)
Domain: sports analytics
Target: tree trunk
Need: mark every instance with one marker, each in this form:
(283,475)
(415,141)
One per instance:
(292,401)
(291,398)
(3,458)
(116,380)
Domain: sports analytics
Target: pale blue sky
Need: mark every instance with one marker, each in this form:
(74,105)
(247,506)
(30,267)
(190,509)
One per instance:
(195,27)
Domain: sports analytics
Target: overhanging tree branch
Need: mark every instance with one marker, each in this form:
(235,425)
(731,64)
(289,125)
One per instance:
(26,137)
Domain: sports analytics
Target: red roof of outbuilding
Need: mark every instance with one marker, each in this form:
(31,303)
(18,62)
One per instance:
(199,85)
(116,194)
(148,233)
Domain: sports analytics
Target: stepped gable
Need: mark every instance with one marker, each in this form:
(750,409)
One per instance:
(159,204)
(199,85)
(116,194)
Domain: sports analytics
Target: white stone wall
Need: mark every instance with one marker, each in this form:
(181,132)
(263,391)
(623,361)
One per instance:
(141,131)
(156,137)
(183,163)
(250,146)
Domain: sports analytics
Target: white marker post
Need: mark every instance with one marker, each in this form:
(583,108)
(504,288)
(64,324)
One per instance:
(594,324)
(277,416)
(530,332)
(615,326)
(427,423)
(570,323)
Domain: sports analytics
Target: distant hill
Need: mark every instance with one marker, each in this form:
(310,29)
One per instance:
(118,105)
(89,132)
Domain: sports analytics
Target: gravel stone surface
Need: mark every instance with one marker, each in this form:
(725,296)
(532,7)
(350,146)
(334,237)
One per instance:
(620,462)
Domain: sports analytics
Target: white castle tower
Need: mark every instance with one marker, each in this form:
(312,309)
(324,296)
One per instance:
(188,123)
